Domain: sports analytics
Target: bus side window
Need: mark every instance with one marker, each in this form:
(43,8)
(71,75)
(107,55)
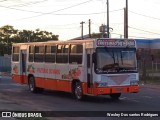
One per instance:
(65,53)
(76,52)
(15,55)
(59,56)
(62,54)
(50,52)
(31,53)
(39,54)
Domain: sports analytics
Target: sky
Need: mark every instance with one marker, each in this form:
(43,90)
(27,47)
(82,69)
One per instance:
(63,17)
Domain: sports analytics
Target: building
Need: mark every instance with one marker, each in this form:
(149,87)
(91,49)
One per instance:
(148,55)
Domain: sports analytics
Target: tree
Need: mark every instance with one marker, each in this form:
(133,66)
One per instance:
(9,35)
(41,36)
(6,34)
(96,35)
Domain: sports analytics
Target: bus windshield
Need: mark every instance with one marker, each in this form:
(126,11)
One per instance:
(116,60)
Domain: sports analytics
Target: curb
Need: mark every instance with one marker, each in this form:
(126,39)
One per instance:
(5,74)
(150,86)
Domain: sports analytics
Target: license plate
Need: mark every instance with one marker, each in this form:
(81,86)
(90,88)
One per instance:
(119,89)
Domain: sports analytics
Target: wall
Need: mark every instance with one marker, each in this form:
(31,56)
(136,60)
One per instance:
(5,63)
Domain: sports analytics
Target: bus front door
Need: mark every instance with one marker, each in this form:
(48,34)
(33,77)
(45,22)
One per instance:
(89,72)
(23,54)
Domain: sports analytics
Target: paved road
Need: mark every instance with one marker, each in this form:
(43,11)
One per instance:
(17,97)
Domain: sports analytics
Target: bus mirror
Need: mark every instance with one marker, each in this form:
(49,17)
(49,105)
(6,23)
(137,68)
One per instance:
(94,57)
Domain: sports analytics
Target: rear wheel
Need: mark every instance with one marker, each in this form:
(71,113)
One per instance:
(115,96)
(78,93)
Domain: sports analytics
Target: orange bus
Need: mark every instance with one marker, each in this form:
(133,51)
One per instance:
(83,67)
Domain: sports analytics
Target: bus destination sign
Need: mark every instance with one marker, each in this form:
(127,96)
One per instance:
(115,43)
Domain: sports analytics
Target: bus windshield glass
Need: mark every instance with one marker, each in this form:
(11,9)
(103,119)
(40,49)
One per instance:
(116,60)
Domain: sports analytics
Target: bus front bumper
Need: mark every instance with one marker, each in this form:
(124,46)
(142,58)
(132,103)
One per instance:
(117,89)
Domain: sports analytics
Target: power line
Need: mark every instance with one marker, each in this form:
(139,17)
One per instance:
(128,36)
(19,9)
(89,13)
(62,26)
(28,3)
(67,28)
(144,30)
(144,15)
(112,24)
(57,10)
(69,24)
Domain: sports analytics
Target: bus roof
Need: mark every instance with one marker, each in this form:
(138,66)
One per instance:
(54,42)
(100,42)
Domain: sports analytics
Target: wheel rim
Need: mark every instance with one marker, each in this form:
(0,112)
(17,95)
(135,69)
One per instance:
(31,84)
(78,92)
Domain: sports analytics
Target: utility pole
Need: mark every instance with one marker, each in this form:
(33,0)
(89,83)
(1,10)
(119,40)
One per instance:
(126,17)
(107,18)
(125,23)
(89,28)
(82,29)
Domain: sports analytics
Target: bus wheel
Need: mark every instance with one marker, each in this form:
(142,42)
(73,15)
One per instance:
(115,96)
(78,91)
(31,84)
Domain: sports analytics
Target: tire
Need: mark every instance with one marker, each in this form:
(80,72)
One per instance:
(78,93)
(115,96)
(32,86)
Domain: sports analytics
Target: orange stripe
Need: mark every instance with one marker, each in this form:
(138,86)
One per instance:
(84,88)
(51,84)
(25,79)
(39,82)
(19,79)
(61,85)
(64,85)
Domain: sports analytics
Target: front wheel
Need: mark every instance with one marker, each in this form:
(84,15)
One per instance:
(78,91)
(32,86)
(115,96)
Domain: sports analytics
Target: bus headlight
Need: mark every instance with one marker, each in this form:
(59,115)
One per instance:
(100,84)
(135,82)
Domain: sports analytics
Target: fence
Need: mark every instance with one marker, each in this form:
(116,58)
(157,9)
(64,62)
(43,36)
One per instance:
(148,55)
(149,71)
(5,63)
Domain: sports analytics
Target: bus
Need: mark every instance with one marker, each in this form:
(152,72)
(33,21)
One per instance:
(91,67)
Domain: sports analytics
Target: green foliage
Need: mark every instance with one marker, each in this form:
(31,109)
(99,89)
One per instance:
(96,35)
(9,35)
